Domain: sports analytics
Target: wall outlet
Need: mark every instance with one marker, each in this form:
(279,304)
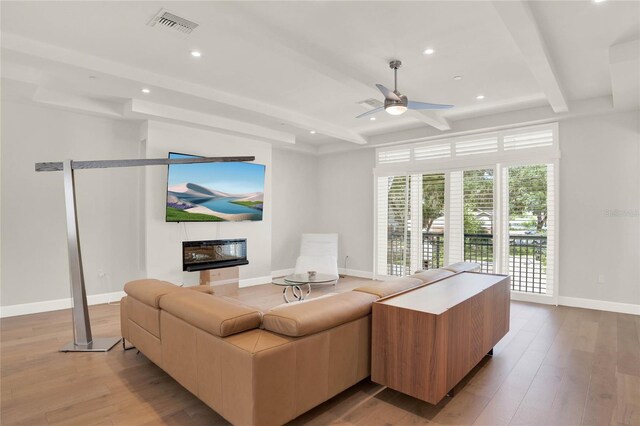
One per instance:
(101,273)
(601,279)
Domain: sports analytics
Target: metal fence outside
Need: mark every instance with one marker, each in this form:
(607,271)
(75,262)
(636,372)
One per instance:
(527,257)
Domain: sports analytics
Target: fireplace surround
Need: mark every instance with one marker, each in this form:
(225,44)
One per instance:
(213,254)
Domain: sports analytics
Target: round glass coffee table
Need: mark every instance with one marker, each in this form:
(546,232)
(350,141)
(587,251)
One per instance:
(295,281)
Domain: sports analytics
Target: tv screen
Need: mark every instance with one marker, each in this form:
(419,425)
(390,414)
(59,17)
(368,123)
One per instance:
(214,192)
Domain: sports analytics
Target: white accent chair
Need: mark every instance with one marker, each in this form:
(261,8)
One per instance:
(318,252)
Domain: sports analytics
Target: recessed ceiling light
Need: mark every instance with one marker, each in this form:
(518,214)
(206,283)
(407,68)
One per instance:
(196,53)
(457,77)
(145,90)
(429,51)
(480,97)
(313,132)
(372,119)
(599,1)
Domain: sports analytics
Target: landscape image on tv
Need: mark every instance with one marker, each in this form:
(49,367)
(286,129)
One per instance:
(214,192)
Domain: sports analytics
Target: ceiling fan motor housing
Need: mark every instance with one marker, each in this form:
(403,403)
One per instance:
(393,102)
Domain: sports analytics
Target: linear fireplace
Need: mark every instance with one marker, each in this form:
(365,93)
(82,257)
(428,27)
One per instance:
(213,254)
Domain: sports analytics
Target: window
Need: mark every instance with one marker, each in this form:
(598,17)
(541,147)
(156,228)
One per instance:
(478,217)
(529,225)
(500,214)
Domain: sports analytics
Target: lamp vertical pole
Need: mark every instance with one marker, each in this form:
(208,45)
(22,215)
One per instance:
(83,341)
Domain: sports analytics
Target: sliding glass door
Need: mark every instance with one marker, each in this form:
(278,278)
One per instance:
(503,222)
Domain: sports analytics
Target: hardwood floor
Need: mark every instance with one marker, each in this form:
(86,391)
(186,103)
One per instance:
(557,366)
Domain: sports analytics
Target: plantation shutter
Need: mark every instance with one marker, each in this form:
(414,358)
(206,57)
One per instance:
(454,219)
(394,226)
(551,231)
(478,217)
(415,226)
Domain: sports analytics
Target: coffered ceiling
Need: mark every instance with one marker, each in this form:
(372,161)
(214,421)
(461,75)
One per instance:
(277,70)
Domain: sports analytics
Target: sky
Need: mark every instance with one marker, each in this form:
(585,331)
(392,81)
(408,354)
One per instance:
(234,178)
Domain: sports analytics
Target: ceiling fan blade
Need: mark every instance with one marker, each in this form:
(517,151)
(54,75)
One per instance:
(426,105)
(388,94)
(373,111)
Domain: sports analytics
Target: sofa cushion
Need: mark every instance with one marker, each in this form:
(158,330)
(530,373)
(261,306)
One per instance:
(301,319)
(149,291)
(432,275)
(463,267)
(213,314)
(387,288)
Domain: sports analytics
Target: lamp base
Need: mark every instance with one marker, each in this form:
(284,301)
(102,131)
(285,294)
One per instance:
(99,344)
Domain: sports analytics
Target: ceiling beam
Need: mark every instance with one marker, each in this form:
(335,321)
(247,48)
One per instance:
(139,109)
(520,22)
(432,118)
(317,58)
(89,62)
(76,103)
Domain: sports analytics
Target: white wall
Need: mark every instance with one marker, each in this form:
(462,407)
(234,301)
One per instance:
(163,241)
(121,233)
(345,206)
(295,204)
(599,208)
(34,248)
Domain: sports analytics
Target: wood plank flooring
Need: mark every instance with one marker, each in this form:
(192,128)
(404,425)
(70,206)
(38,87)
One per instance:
(557,366)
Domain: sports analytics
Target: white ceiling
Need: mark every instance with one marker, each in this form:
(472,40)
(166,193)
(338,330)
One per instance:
(288,67)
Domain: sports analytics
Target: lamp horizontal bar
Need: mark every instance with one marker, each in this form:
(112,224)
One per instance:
(107,164)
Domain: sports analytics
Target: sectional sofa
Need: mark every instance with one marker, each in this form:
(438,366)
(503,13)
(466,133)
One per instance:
(254,367)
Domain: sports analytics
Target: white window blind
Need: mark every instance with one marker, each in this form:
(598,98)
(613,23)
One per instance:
(478,217)
(551,229)
(528,140)
(455,218)
(462,150)
(394,156)
(477,146)
(415,225)
(394,225)
(432,238)
(432,152)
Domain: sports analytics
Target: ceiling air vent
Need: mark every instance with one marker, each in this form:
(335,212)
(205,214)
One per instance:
(370,104)
(169,20)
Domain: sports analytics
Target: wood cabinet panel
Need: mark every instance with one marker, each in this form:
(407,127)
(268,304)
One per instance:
(425,349)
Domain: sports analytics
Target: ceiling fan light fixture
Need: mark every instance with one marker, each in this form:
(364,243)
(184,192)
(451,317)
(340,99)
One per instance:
(396,109)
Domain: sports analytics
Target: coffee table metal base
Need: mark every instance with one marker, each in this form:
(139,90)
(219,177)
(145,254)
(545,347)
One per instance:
(296,291)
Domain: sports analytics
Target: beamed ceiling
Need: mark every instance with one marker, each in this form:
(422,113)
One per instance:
(277,70)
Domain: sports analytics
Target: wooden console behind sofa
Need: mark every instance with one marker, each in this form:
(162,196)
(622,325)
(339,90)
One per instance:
(425,340)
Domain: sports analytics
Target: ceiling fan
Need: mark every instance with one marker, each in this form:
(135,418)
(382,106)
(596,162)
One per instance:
(396,103)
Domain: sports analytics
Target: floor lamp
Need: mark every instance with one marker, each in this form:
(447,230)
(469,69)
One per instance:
(83,341)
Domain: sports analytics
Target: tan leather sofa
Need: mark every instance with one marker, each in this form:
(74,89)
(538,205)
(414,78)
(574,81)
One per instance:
(256,368)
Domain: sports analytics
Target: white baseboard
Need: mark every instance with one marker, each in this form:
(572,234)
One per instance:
(600,305)
(534,298)
(282,272)
(249,282)
(356,273)
(578,302)
(56,305)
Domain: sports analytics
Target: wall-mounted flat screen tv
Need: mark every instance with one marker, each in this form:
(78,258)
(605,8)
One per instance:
(214,192)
